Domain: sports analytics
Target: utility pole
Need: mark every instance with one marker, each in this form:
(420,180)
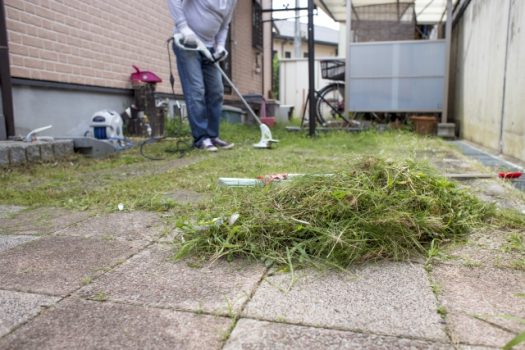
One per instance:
(297,35)
(5,76)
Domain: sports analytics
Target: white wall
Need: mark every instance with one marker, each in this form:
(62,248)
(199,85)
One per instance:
(293,89)
(489,75)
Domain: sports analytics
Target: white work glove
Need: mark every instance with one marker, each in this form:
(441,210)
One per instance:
(220,53)
(189,38)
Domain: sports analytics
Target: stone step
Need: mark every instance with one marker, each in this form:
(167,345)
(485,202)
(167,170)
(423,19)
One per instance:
(13,153)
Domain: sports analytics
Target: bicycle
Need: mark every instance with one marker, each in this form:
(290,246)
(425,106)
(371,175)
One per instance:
(329,101)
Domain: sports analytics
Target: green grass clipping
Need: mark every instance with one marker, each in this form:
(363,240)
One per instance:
(377,209)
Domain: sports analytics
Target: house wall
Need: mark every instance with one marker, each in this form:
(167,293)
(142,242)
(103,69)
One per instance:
(488,79)
(321,50)
(94,44)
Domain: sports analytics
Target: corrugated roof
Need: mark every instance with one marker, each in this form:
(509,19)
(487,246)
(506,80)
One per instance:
(286,29)
(427,11)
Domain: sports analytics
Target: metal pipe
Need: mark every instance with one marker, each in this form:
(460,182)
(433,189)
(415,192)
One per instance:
(5,76)
(444,114)
(311,67)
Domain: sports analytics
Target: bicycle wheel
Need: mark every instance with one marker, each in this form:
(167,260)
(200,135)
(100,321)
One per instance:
(330,105)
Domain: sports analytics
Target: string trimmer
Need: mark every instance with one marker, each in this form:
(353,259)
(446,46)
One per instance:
(266,135)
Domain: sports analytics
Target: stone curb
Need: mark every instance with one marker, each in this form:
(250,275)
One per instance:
(14,153)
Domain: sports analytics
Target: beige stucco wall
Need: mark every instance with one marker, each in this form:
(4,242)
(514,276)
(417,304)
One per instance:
(321,50)
(514,113)
(96,42)
(488,75)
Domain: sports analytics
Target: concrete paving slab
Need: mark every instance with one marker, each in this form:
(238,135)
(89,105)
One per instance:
(41,221)
(7,211)
(81,324)
(485,248)
(130,226)
(479,302)
(16,308)
(254,335)
(8,241)
(153,278)
(386,298)
(59,265)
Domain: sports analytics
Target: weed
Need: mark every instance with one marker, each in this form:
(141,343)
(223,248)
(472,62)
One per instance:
(471,263)
(436,288)
(100,296)
(515,243)
(230,308)
(86,280)
(518,339)
(518,264)
(442,311)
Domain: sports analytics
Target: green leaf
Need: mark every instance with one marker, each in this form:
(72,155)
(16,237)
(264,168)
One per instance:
(520,338)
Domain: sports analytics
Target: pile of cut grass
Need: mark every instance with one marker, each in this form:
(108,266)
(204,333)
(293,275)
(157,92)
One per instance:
(377,209)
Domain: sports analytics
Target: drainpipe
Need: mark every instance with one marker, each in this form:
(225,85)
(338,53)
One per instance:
(444,114)
(5,76)
(504,93)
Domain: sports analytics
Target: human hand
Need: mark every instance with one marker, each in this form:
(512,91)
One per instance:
(220,53)
(189,38)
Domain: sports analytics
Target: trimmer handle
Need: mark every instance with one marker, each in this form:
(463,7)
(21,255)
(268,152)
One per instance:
(199,46)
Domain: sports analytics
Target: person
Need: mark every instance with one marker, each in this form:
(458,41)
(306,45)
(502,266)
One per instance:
(207,21)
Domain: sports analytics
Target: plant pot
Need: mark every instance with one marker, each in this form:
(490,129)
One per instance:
(424,125)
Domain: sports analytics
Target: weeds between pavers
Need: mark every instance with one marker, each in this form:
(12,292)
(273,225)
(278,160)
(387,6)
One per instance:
(377,209)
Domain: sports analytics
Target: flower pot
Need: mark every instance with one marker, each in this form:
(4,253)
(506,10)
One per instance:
(424,125)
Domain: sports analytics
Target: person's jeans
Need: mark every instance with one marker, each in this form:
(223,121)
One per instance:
(203,92)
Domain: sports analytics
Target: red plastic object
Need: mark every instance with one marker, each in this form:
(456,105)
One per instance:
(509,175)
(270,121)
(268,179)
(144,77)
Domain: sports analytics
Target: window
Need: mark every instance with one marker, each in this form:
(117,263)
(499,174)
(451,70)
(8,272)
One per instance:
(257,31)
(305,54)
(287,54)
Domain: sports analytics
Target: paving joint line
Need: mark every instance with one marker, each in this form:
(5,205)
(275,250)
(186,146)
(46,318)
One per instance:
(158,307)
(341,329)
(447,329)
(70,294)
(238,316)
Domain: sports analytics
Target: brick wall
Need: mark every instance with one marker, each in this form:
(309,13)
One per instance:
(244,56)
(96,42)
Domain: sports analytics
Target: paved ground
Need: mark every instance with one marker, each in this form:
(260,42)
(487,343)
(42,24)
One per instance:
(75,280)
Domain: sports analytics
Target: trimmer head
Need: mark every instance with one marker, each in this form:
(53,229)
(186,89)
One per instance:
(266,138)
